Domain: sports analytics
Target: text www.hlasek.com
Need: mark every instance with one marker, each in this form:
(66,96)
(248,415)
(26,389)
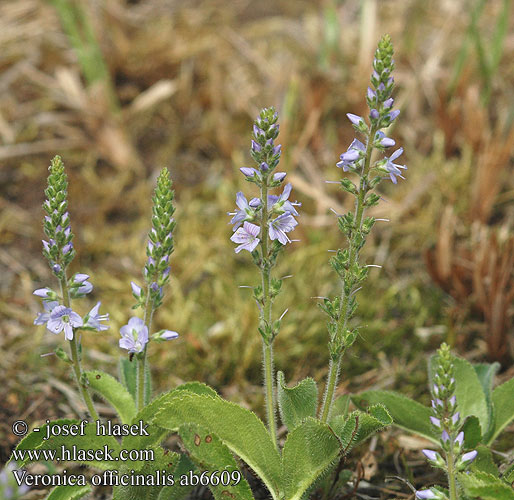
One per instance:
(75,454)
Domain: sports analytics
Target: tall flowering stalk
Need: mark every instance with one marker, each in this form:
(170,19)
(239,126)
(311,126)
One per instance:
(135,335)
(358,160)
(260,227)
(446,420)
(58,315)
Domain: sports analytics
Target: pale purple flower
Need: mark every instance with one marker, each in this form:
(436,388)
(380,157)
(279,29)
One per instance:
(63,318)
(436,402)
(257,131)
(371,94)
(469,456)
(277,149)
(352,154)
(42,318)
(431,455)
(394,170)
(43,292)
(248,171)
(67,248)
(168,335)
(460,438)
(245,210)
(85,287)
(435,421)
(247,237)
(93,319)
(374,114)
(280,226)
(355,119)
(134,335)
(445,436)
(281,203)
(384,141)
(256,147)
(388,103)
(394,114)
(279,176)
(453,400)
(455,418)
(264,166)
(136,289)
(425,495)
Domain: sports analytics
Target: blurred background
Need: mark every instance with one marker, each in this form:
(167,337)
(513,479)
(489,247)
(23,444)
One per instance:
(122,88)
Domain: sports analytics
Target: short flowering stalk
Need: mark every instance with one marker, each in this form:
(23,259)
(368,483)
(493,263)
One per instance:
(358,160)
(260,226)
(59,252)
(156,273)
(447,422)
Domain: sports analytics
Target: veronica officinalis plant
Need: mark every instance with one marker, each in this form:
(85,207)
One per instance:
(58,315)
(261,227)
(355,226)
(136,334)
(447,423)
(465,418)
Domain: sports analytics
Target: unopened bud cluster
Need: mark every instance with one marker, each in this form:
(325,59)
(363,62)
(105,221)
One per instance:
(446,419)
(58,250)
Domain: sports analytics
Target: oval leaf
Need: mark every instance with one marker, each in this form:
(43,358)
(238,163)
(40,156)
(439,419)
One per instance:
(308,451)
(237,427)
(114,393)
(211,455)
(68,492)
(406,413)
(297,403)
(503,402)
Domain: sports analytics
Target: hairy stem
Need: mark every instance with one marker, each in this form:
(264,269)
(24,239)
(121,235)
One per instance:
(77,369)
(266,318)
(452,483)
(141,362)
(344,309)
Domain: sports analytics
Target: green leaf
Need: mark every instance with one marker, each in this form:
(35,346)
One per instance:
(128,375)
(114,393)
(484,461)
(375,420)
(157,434)
(34,440)
(485,486)
(472,432)
(346,429)
(178,492)
(197,388)
(503,402)
(212,456)
(406,413)
(89,441)
(157,472)
(486,373)
(237,427)
(68,492)
(308,451)
(297,403)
